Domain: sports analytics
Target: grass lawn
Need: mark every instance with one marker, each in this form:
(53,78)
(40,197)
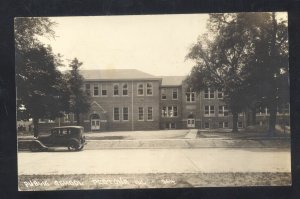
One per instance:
(167,180)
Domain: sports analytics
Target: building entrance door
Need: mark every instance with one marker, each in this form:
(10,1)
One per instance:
(95,122)
(191,123)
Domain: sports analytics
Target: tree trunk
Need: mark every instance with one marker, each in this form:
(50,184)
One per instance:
(78,119)
(253,116)
(36,127)
(234,122)
(273,103)
(272,120)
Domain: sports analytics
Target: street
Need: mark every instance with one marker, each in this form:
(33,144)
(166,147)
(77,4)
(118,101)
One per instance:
(142,161)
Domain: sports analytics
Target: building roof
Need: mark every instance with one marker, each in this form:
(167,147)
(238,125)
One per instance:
(117,74)
(172,80)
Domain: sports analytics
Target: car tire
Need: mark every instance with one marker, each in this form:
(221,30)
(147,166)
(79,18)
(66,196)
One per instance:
(34,147)
(73,145)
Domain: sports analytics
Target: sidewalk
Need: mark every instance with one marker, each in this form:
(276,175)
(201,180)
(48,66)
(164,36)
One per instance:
(177,139)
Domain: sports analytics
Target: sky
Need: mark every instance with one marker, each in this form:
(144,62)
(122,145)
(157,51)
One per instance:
(156,44)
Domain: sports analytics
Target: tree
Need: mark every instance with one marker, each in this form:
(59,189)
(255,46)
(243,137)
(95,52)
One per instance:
(269,66)
(244,56)
(40,86)
(79,100)
(220,62)
(28,29)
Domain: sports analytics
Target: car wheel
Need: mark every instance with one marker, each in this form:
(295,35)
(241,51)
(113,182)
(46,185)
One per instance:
(73,145)
(34,147)
(80,147)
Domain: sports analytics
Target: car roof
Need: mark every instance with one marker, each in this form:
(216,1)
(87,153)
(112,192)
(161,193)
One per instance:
(64,127)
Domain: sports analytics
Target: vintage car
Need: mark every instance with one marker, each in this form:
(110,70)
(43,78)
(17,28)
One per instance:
(64,136)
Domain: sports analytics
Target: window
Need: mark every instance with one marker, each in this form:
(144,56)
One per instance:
(206,125)
(240,124)
(116,114)
(103,90)
(209,94)
(141,113)
(88,89)
(223,110)
(223,124)
(169,111)
(209,110)
(170,125)
(175,111)
(140,89)
(164,112)
(220,94)
(67,117)
(212,94)
(149,89)
(190,96)
(96,90)
(150,113)
(286,109)
(175,94)
(163,94)
(220,124)
(263,111)
(116,89)
(125,89)
(125,113)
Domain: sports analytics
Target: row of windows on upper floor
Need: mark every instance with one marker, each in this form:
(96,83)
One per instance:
(118,89)
(191,96)
(122,89)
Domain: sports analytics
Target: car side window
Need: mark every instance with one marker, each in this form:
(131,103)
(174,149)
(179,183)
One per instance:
(54,132)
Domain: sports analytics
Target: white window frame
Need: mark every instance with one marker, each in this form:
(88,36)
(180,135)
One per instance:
(114,114)
(223,125)
(126,107)
(240,126)
(167,110)
(151,119)
(205,125)
(149,88)
(142,114)
(176,91)
(116,84)
(209,93)
(210,110)
(220,92)
(105,86)
(223,110)
(163,94)
(138,88)
(190,96)
(97,86)
(126,89)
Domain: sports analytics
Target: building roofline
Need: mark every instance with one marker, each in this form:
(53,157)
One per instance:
(137,79)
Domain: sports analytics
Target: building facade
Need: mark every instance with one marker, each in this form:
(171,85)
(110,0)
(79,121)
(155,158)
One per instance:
(124,100)
(131,100)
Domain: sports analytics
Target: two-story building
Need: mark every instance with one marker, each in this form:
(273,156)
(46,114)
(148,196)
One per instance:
(129,99)
(123,99)
(182,108)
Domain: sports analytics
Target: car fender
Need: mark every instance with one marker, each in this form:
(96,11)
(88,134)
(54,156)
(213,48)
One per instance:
(39,143)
